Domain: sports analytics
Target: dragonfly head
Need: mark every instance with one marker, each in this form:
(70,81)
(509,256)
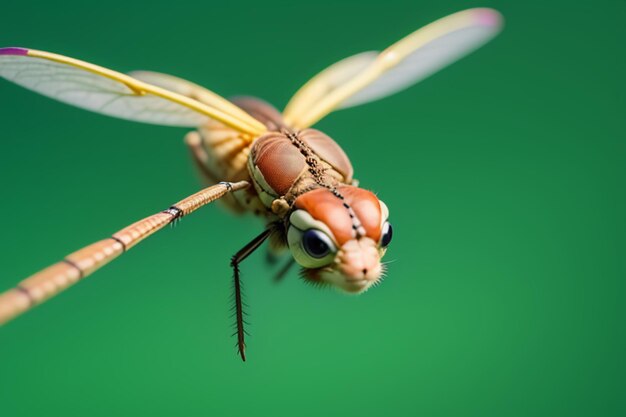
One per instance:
(339,237)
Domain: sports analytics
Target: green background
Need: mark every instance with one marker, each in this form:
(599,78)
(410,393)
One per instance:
(504,175)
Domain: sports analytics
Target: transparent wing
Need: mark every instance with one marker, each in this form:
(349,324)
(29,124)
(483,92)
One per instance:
(108,92)
(189,89)
(327,81)
(364,77)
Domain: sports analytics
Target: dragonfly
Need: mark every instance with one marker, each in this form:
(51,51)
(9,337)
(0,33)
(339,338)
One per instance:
(259,160)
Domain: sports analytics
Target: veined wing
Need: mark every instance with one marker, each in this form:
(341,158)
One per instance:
(367,77)
(326,81)
(115,94)
(189,89)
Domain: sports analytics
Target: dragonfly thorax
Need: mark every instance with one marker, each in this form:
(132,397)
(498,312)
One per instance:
(283,165)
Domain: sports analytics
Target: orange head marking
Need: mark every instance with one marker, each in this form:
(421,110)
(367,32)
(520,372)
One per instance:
(339,237)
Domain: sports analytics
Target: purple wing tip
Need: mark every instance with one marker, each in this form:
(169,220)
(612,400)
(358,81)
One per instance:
(489,17)
(13,51)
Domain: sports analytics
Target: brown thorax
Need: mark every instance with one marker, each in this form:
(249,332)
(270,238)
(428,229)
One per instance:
(284,165)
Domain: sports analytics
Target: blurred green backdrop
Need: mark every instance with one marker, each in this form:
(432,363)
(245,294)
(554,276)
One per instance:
(505,179)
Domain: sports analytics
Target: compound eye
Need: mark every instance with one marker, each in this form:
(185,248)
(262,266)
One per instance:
(316,243)
(311,248)
(387,234)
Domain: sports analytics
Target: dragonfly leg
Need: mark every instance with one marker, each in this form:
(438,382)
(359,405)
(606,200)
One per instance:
(199,156)
(239,257)
(282,272)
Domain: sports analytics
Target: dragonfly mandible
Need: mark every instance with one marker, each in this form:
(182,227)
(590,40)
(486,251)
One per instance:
(295,178)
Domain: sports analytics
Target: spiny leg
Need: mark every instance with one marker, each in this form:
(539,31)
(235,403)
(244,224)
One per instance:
(234,262)
(78,265)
